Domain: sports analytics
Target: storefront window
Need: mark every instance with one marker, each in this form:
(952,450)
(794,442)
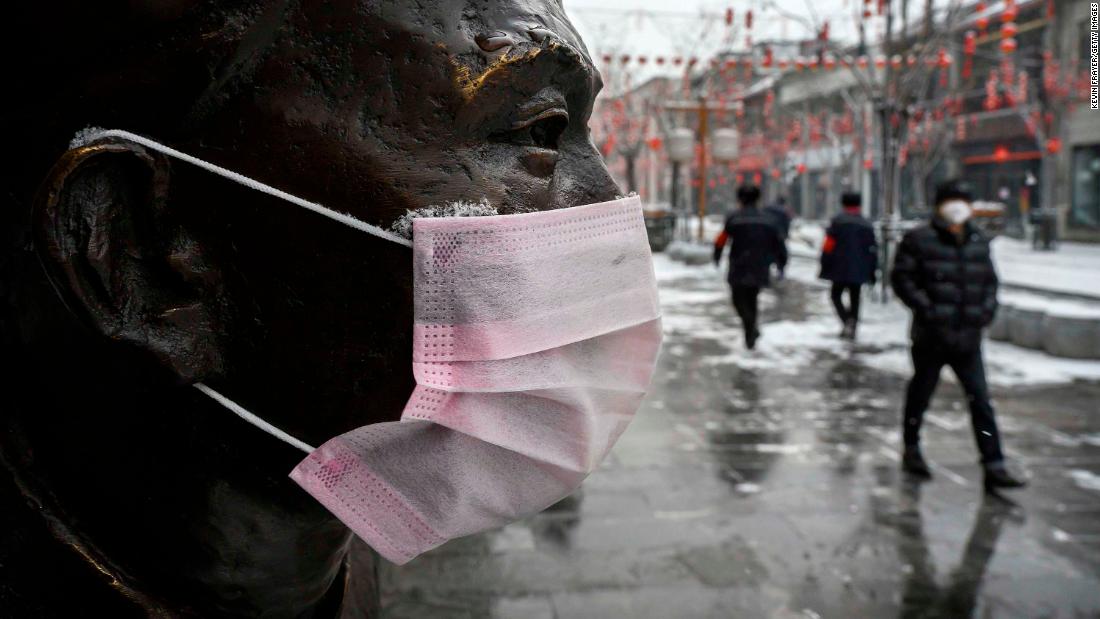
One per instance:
(1085,200)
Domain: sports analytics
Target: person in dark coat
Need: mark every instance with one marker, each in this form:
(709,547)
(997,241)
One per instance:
(755,244)
(780,216)
(944,273)
(849,259)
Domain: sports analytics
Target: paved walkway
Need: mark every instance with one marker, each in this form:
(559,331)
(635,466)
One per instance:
(766,484)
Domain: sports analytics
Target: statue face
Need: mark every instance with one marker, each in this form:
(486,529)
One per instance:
(376,111)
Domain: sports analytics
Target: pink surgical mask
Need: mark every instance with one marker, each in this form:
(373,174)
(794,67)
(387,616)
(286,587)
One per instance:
(535,338)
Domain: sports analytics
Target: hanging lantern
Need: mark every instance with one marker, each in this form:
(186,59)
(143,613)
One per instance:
(799,64)
(880,62)
(1054,146)
(862,62)
(607,58)
(768,57)
(1010,11)
(1008,45)
(748,19)
(801,168)
(943,59)
(625,58)
(642,60)
(895,61)
(677,61)
(756,178)
(660,60)
(655,143)
(729,17)
(1000,154)
(868,164)
(776,173)
(983,20)
(830,62)
(783,64)
(1008,29)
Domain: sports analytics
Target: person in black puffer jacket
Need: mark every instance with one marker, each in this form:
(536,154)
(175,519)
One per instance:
(755,243)
(944,273)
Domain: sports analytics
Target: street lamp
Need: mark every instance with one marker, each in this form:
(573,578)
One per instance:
(681,149)
(725,145)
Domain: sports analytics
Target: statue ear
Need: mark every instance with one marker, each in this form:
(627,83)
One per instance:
(121,260)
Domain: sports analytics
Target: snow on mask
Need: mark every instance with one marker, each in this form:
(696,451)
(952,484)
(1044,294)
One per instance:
(955,212)
(534,340)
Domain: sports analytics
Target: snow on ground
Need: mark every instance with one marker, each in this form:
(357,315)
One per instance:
(1072,268)
(695,303)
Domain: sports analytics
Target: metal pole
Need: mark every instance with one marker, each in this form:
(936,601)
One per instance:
(674,194)
(703,113)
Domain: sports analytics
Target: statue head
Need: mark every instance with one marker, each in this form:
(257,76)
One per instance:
(126,276)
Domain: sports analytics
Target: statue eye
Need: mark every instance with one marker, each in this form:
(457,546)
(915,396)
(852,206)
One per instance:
(541,131)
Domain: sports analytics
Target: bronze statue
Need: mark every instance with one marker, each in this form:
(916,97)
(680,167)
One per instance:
(127,277)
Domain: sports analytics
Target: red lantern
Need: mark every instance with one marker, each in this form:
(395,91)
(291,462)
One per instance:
(756,178)
(1008,45)
(607,58)
(677,61)
(1000,154)
(868,164)
(970,43)
(1010,12)
(660,61)
(801,168)
(729,17)
(983,20)
(1054,145)
(880,62)
(783,64)
(776,173)
(654,143)
(768,57)
(862,62)
(1008,29)
(748,19)
(943,59)
(642,59)
(625,58)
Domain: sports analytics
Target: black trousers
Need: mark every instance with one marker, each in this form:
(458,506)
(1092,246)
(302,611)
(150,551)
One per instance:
(852,311)
(970,370)
(744,301)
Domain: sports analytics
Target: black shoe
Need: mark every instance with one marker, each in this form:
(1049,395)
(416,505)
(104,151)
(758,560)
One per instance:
(998,478)
(751,337)
(849,332)
(912,462)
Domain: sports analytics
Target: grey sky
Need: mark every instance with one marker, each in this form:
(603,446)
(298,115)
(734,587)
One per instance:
(677,27)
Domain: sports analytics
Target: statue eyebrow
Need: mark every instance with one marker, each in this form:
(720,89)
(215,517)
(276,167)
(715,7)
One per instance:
(470,85)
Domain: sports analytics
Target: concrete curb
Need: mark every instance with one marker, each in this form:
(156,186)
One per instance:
(1062,335)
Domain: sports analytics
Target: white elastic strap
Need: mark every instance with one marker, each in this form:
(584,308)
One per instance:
(91,135)
(252,419)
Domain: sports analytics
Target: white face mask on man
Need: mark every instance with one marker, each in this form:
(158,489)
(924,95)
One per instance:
(535,337)
(956,212)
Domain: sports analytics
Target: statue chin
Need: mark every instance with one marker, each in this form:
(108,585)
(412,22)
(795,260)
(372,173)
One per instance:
(126,277)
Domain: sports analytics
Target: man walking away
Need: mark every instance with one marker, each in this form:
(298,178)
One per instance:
(755,243)
(781,217)
(944,273)
(849,258)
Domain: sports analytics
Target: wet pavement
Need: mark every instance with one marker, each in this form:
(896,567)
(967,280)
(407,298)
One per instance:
(765,484)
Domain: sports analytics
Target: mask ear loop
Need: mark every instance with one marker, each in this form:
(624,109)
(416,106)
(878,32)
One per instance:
(90,135)
(253,419)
